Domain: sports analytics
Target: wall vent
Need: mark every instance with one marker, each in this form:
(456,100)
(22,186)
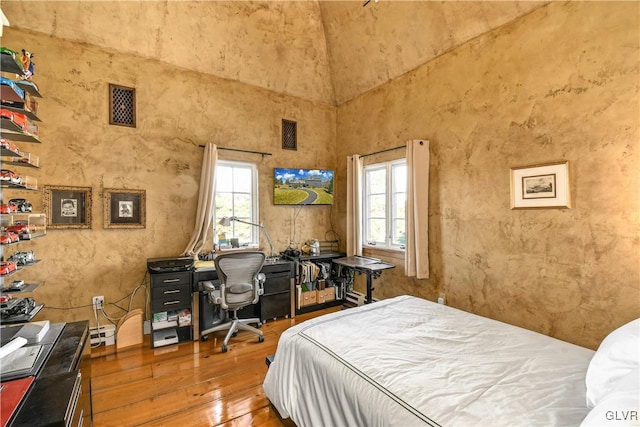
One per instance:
(122,106)
(289,135)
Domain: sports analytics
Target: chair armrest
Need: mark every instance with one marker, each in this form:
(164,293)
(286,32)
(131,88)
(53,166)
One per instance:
(213,292)
(261,278)
(207,286)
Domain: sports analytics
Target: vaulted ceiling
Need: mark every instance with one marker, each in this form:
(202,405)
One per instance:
(322,51)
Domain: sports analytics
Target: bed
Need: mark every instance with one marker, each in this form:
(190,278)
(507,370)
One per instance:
(407,361)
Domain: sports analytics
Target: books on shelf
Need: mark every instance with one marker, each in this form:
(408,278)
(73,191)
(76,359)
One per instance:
(160,316)
(168,319)
(184,317)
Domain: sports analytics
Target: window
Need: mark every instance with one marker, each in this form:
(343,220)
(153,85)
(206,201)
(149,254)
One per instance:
(237,195)
(384,201)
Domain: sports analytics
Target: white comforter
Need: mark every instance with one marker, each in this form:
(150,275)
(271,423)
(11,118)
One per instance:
(406,361)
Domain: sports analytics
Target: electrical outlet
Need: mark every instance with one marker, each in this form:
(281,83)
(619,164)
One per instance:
(442,299)
(98,302)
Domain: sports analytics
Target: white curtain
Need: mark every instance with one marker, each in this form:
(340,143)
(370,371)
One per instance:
(206,205)
(416,261)
(354,205)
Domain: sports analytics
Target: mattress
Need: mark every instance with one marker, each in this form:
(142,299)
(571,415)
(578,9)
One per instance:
(406,361)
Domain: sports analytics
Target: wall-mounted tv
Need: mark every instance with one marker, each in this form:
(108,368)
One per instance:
(302,186)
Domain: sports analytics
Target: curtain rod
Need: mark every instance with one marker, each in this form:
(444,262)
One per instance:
(241,151)
(383,151)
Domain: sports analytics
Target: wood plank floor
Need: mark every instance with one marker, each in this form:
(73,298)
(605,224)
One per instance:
(188,384)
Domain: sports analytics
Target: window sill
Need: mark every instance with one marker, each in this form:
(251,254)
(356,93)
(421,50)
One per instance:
(387,253)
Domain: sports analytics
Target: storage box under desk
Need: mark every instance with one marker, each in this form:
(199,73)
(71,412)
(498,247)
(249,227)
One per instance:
(307,298)
(325,295)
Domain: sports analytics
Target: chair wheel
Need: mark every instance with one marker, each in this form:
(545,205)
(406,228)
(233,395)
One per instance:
(235,334)
(224,349)
(260,338)
(259,325)
(204,338)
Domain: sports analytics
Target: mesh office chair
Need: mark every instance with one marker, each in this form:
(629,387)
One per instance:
(240,286)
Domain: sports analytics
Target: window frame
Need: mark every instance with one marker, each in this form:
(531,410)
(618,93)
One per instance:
(389,217)
(255,202)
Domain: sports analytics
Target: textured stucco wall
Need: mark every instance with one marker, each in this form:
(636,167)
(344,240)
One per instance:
(300,48)
(558,84)
(273,45)
(177,110)
(369,46)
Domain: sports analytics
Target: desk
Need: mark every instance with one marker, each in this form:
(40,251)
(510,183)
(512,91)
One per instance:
(276,301)
(372,267)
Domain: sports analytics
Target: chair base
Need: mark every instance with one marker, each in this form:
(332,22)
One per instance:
(234,325)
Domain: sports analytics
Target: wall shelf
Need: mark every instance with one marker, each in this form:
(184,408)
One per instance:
(28,287)
(9,62)
(18,136)
(18,124)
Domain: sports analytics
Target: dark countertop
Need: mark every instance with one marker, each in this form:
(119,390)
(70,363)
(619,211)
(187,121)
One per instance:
(46,403)
(65,356)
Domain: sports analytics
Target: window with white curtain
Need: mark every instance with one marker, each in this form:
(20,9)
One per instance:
(384,200)
(237,195)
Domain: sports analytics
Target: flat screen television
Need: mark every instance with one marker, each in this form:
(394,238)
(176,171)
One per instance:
(302,186)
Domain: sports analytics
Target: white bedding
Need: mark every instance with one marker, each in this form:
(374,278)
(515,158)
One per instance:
(406,361)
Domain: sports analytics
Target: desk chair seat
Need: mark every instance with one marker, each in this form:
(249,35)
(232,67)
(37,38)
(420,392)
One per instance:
(240,286)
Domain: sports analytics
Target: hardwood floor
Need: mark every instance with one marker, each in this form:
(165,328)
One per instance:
(188,384)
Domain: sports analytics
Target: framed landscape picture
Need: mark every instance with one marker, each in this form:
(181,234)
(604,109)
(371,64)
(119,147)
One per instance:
(540,186)
(124,208)
(67,207)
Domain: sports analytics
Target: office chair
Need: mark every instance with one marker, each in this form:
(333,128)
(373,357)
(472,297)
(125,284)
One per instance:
(240,285)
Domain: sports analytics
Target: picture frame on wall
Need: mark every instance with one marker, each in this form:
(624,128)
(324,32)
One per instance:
(67,207)
(541,186)
(124,208)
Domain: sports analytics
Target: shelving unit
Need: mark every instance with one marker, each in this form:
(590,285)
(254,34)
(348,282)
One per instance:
(170,306)
(312,295)
(17,125)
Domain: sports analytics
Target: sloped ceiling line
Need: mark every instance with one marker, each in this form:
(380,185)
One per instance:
(322,51)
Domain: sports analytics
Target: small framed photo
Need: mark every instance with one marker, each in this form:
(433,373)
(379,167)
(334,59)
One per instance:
(67,207)
(541,186)
(125,208)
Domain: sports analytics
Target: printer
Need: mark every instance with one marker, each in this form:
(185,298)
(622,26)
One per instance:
(169,265)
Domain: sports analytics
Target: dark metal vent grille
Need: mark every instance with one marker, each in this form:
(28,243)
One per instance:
(289,135)
(122,106)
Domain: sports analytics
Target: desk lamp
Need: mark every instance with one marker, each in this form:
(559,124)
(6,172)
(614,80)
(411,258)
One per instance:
(226,222)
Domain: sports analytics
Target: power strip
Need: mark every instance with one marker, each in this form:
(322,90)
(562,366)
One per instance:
(106,336)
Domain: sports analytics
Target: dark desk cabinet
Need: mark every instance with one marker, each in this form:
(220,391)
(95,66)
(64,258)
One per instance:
(171,308)
(277,298)
(61,392)
(276,301)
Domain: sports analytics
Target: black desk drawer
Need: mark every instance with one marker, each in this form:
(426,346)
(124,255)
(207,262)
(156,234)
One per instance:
(277,283)
(164,292)
(272,306)
(176,279)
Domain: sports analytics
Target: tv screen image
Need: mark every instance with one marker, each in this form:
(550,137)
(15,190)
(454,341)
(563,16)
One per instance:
(302,186)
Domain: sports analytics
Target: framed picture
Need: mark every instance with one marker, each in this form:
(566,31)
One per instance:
(67,207)
(540,186)
(125,208)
